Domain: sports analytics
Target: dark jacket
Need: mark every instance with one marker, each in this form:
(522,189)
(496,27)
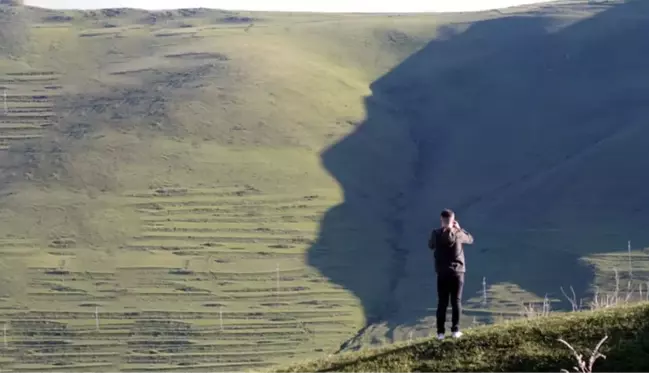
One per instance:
(449,252)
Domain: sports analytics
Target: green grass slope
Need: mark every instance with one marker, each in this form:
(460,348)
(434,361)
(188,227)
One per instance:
(519,346)
(161,183)
(198,190)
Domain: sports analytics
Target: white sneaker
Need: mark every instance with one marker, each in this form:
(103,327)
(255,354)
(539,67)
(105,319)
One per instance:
(457,334)
(440,336)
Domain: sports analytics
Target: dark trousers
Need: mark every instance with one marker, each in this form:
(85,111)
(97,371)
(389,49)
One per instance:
(449,287)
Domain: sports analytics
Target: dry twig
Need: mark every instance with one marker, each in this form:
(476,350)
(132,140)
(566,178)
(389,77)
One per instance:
(582,366)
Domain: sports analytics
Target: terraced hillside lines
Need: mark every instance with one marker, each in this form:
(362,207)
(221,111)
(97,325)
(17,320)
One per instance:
(17,247)
(169,318)
(232,257)
(216,281)
(628,272)
(215,221)
(26,107)
(32,341)
(198,290)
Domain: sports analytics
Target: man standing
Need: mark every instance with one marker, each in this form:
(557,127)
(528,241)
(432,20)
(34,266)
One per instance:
(447,243)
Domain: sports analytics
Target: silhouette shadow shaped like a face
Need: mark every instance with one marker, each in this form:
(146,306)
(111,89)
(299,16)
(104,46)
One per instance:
(529,127)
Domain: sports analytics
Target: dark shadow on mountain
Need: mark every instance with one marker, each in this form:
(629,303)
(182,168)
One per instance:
(532,127)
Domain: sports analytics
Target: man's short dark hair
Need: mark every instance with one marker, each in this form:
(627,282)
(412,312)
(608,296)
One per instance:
(447,214)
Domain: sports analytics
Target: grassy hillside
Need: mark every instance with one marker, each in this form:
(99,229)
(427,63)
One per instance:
(520,346)
(161,184)
(530,126)
(208,190)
